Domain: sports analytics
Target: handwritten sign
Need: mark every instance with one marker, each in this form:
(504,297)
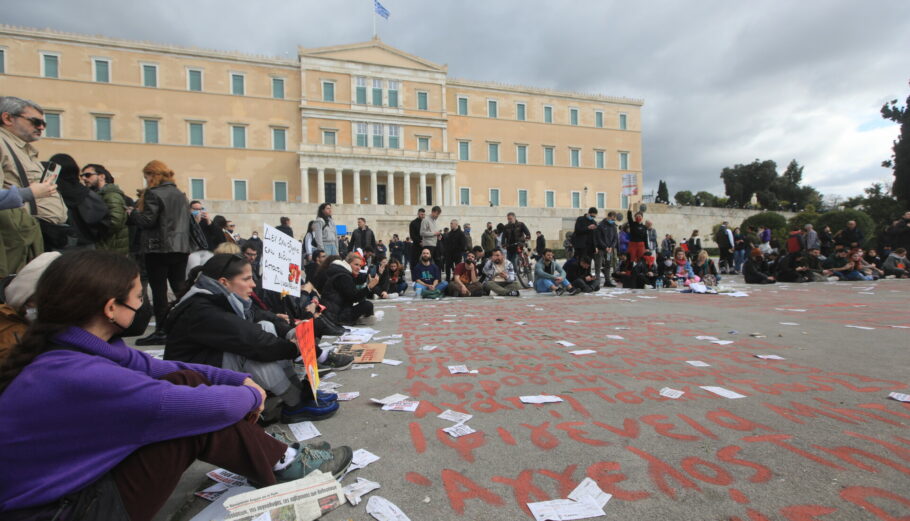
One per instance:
(281,256)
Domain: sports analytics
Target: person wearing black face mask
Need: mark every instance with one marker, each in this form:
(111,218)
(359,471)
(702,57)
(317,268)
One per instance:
(606,242)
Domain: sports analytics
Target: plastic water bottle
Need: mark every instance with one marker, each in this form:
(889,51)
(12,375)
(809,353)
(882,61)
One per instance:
(659,284)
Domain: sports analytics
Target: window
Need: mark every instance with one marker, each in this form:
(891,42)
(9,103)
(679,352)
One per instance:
(493,152)
(361,134)
(393,93)
(150,131)
(422,102)
(279,138)
(601,200)
(573,116)
(547,114)
(623,160)
(521,154)
(599,158)
(494,196)
(278,89)
(550,198)
(378,138)
(464,150)
(423,144)
(520,111)
(548,156)
(395,137)
(575,156)
(377,93)
(523,198)
(197,138)
(238,136)
(52,129)
(623,122)
(429,195)
(280,189)
(625,202)
(194,80)
(197,188)
(238,84)
(360,91)
(328,91)
(102,70)
(328,137)
(149,75)
(576,200)
(330,194)
(239,190)
(462,106)
(599,119)
(103,128)
(382,192)
(50,65)
(464,196)
(492,109)
(2,61)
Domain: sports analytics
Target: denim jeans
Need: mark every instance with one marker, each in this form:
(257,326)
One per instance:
(739,258)
(420,288)
(545,285)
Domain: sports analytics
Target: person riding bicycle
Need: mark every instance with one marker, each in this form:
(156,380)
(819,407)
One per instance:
(514,234)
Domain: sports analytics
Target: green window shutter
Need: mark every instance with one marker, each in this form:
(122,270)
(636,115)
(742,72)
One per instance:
(196,135)
(102,71)
(522,155)
(462,106)
(422,101)
(523,198)
(623,122)
(197,189)
(377,97)
(277,88)
(599,159)
(151,130)
(551,199)
(328,91)
(240,190)
(281,191)
(53,125)
(195,81)
(393,98)
(464,151)
(599,119)
(548,114)
(520,112)
(51,66)
(102,128)
(237,85)
(238,137)
(279,139)
(149,76)
(361,95)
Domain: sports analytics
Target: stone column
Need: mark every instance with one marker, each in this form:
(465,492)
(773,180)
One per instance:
(390,188)
(357,198)
(339,186)
(450,188)
(422,195)
(439,195)
(374,188)
(304,185)
(320,184)
(407,188)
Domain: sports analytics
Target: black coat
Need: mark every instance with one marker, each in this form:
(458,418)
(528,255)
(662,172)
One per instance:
(638,232)
(582,237)
(606,235)
(204,327)
(363,239)
(414,231)
(541,245)
(340,291)
(455,244)
(164,220)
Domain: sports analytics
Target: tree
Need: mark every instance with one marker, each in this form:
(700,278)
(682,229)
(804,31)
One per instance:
(684,198)
(774,192)
(879,204)
(741,181)
(707,198)
(837,220)
(900,159)
(774,221)
(663,195)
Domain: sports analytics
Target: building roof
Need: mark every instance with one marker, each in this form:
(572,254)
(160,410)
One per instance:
(374,51)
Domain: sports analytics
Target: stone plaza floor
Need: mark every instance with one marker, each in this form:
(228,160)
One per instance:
(815,435)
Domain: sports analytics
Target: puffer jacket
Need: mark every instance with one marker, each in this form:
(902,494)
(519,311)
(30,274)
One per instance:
(165,220)
(118,236)
(340,290)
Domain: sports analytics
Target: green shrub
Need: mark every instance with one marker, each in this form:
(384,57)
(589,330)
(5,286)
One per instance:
(776,222)
(837,220)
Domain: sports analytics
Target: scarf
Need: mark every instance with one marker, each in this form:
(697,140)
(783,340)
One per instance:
(208,286)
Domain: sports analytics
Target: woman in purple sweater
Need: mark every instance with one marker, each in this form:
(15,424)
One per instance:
(93,429)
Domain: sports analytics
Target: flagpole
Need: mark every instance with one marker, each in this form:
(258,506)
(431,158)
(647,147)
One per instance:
(374,23)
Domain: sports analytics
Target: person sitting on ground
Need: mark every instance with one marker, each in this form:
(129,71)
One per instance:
(500,275)
(346,302)
(549,277)
(680,271)
(645,272)
(578,273)
(852,269)
(134,423)
(869,268)
(466,282)
(814,262)
(214,323)
(896,264)
(479,262)
(20,308)
(794,268)
(623,272)
(427,276)
(872,257)
(391,279)
(319,276)
(755,270)
(705,269)
(838,260)
(309,269)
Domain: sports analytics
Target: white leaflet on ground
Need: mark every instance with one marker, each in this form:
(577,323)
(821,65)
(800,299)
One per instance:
(389,361)
(901,327)
(566,509)
(573,322)
(615,337)
(363,366)
(358,489)
(565,343)
(214,492)
(671,393)
(384,510)
(346,397)
(722,342)
(770,357)
(326,376)
(455,416)
(304,431)
(429,348)
(583,352)
(392,398)
(541,398)
(459,369)
(720,391)
(860,327)
(404,406)
(521,323)
(329,386)
(901,397)
(228,477)
(705,337)
(737,294)
(588,487)
(458,430)
(795,310)
(788,323)
(361,459)
(697,363)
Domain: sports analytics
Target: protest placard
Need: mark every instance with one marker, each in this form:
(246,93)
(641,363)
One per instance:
(281,256)
(306,342)
(364,353)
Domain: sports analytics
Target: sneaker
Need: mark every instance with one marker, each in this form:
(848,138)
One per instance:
(311,410)
(574,291)
(514,293)
(337,362)
(560,290)
(158,338)
(309,458)
(609,285)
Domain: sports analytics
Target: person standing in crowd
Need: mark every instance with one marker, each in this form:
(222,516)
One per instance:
(693,244)
(540,244)
(363,237)
(810,238)
(826,238)
(500,276)
(740,245)
(426,274)
(515,234)
(254,241)
(149,419)
(549,277)
(469,239)
(326,236)
(638,235)
(725,243)
(583,234)
(567,246)
(488,240)
(396,249)
(606,243)
(221,232)
(285,227)
(430,233)
(414,234)
(850,237)
(200,255)
(309,241)
(651,244)
(163,214)
(764,237)
(455,245)
(900,232)
(795,239)
(117,238)
(408,246)
(89,218)
(667,246)
(381,249)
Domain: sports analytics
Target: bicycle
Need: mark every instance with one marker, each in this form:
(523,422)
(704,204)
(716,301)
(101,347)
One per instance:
(523,270)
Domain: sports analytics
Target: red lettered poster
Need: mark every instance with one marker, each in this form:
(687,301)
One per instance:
(306,342)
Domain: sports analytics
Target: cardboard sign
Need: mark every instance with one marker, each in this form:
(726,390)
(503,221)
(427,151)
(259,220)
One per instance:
(364,353)
(281,256)
(306,342)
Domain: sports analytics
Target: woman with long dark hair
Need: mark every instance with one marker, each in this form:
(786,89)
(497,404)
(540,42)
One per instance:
(325,235)
(133,423)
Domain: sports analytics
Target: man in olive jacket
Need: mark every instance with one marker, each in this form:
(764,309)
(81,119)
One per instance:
(100,180)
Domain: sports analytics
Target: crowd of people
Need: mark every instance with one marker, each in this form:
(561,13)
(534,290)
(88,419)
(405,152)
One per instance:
(85,265)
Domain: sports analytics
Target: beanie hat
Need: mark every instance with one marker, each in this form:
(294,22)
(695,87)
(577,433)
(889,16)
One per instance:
(756,252)
(26,282)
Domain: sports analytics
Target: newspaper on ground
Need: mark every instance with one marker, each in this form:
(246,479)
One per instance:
(361,459)
(671,393)
(214,492)
(770,357)
(461,369)
(697,363)
(328,387)
(722,342)
(583,352)
(588,487)
(565,343)
(541,398)
(304,431)
(736,294)
(615,337)
(705,337)
(455,416)
(384,510)
(392,398)
(304,499)
(227,477)
(458,430)
(389,361)
(346,397)
(358,489)
(404,405)
(566,509)
(788,323)
(354,337)
(901,397)
(363,366)
(720,391)
(429,348)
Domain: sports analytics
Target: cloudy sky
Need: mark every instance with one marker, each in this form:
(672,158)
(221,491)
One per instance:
(723,82)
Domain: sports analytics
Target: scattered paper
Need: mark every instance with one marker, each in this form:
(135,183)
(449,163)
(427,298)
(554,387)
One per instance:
(521,323)
(620,328)
(860,327)
(565,343)
(720,391)
(704,337)
(390,399)
(458,369)
(404,405)
(364,353)
(458,430)
(214,492)
(227,477)
(384,510)
(615,337)
(326,376)
(697,363)
(795,310)
(583,352)
(722,342)
(788,323)
(311,496)
(588,487)
(901,327)
(389,361)
(737,294)
(541,398)
(770,357)
(354,338)
(429,348)
(361,459)
(346,397)
(566,509)
(328,387)
(671,393)
(455,416)
(901,397)
(360,488)
(304,430)
(363,366)
(573,322)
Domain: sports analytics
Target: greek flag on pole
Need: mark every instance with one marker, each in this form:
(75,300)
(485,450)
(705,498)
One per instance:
(380,10)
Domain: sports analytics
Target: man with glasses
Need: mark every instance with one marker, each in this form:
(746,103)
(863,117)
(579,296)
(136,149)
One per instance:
(101,181)
(21,124)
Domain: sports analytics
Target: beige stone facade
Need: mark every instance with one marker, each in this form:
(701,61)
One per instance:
(353,124)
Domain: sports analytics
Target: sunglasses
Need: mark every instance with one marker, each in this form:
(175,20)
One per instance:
(37,122)
(227,264)
(87,175)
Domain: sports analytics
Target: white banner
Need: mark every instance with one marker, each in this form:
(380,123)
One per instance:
(281,256)
(629,184)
